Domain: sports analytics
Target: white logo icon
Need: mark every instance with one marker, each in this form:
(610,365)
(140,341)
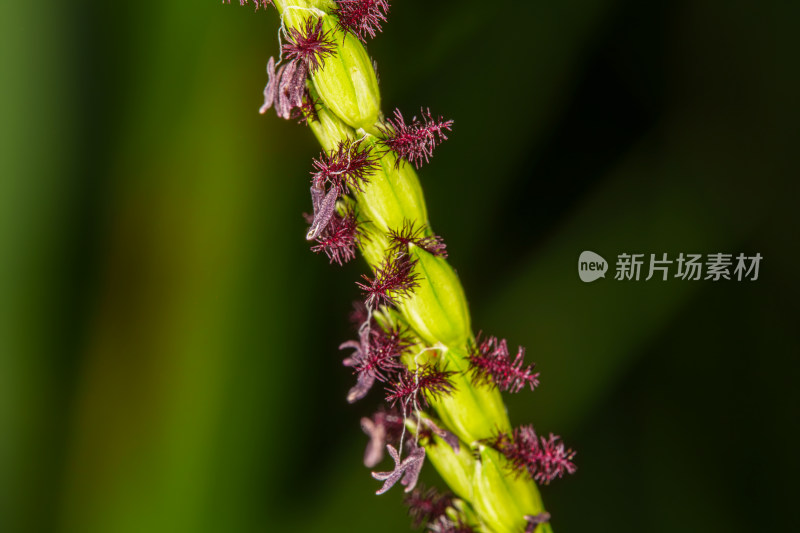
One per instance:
(591,266)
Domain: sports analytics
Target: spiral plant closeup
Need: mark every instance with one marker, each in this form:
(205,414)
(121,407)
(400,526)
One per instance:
(441,383)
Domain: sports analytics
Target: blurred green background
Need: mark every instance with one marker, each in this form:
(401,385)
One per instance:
(168,354)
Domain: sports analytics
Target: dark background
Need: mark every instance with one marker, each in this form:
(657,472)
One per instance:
(168,343)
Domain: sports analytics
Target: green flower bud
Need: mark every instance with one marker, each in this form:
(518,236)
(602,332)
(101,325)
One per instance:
(346,82)
(438,309)
(501,499)
(473,413)
(456,468)
(392,196)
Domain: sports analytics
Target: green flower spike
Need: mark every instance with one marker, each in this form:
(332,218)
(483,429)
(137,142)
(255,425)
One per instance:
(414,333)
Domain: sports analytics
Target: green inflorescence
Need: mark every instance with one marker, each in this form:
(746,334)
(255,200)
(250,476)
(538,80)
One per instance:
(345,88)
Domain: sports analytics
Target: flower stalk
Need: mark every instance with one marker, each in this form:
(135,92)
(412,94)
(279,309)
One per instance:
(414,331)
